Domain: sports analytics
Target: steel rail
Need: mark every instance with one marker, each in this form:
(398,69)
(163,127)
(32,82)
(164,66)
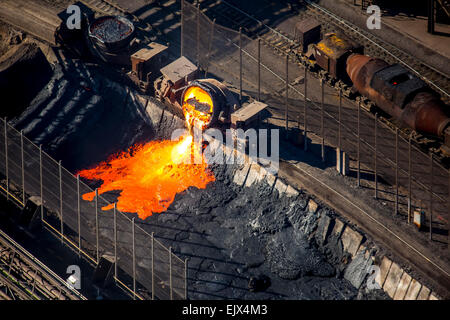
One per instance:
(9,283)
(36,263)
(353,28)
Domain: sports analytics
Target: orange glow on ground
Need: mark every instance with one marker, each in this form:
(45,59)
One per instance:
(195,117)
(149,176)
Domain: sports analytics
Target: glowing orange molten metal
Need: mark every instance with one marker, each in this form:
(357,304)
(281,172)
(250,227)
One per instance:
(193,116)
(149,176)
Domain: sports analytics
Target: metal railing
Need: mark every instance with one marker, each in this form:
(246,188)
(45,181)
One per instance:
(418,181)
(143,264)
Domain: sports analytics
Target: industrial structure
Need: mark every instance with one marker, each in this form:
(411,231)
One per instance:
(347,102)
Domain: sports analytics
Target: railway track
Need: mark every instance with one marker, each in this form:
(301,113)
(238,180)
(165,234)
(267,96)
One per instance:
(421,146)
(376,47)
(283,44)
(146,31)
(23,277)
(104,7)
(236,18)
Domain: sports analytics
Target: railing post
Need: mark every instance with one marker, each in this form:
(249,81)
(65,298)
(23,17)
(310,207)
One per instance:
(182,28)
(115,240)
(240,65)
(170,273)
(61,201)
(41,183)
(185,278)
(22,167)
(376,156)
(396,170)
(134,258)
(431,196)
(79,215)
(153,266)
(305,132)
(6,158)
(287,96)
(96,223)
(359,144)
(322,129)
(409,180)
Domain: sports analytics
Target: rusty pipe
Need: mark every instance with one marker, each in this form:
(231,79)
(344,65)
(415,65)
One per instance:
(423,110)
(46,287)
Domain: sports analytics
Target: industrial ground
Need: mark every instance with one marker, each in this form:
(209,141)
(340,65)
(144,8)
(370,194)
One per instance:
(229,233)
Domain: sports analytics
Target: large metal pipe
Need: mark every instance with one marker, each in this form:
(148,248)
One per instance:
(398,93)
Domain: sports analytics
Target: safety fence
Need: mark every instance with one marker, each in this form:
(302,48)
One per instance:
(145,267)
(379,151)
